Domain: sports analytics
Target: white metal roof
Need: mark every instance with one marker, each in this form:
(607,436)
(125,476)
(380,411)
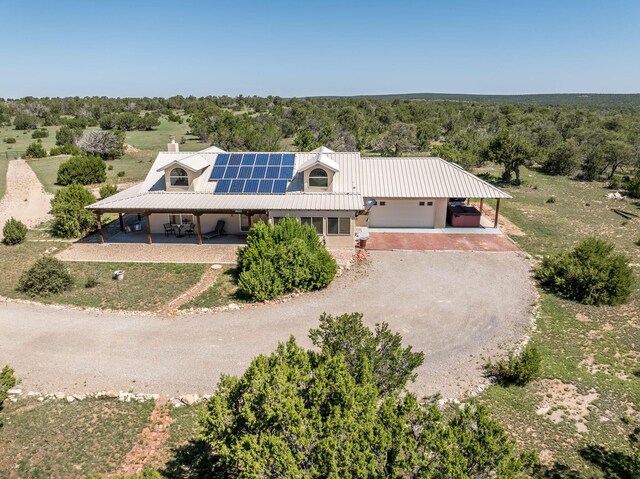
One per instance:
(192,201)
(194,162)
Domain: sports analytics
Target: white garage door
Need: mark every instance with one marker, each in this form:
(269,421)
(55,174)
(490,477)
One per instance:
(402,214)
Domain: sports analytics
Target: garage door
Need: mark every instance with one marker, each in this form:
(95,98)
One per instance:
(402,214)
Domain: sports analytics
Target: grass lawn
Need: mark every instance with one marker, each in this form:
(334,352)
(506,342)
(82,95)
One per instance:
(23,140)
(58,439)
(146,287)
(222,292)
(580,413)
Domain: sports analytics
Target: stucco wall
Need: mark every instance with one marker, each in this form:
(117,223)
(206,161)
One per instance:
(331,241)
(208,222)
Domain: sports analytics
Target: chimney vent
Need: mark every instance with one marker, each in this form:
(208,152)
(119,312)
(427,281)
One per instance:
(172,146)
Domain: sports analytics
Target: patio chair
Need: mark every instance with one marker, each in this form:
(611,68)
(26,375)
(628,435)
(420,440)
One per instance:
(168,229)
(190,230)
(217,231)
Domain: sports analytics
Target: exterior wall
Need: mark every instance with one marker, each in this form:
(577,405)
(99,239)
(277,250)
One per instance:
(207,221)
(407,213)
(331,241)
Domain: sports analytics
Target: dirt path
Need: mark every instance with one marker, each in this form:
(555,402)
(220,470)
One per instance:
(200,287)
(152,438)
(25,198)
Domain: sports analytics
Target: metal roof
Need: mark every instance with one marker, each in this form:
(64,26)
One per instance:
(428,177)
(196,201)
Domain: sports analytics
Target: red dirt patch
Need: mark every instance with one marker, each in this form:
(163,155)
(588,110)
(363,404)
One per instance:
(439,242)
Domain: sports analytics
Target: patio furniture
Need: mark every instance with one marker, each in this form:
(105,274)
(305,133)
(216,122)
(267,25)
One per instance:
(190,230)
(179,231)
(168,229)
(217,231)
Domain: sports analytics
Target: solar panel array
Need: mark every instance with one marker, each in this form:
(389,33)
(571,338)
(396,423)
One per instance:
(253,173)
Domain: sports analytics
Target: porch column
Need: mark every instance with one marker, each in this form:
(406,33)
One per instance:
(100,234)
(148,221)
(199,228)
(495,223)
(481,202)
(121,219)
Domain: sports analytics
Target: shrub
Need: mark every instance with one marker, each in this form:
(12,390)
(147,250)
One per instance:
(562,160)
(14,232)
(519,370)
(121,174)
(288,251)
(72,219)
(591,274)
(35,150)
(632,185)
(67,135)
(47,276)
(7,381)
(85,170)
(551,199)
(108,190)
(39,134)
(11,139)
(65,150)
(25,122)
(106,144)
(110,167)
(91,282)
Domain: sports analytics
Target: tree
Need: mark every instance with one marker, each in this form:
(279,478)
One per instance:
(563,159)
(106,144)
(510,150)
(71,218)
(305,414)
(427,132)
(35,150)
(392,366)
(85,170)
(305,140)
(25,122)
(14,232)
(399,138)
(67,135)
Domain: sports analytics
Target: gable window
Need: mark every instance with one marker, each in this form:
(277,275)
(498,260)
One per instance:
(319,178)
(315,221)
(179,177)
(338,226)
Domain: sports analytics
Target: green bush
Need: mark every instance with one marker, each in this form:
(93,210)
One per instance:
(67,135)
(519,370)
(632,185)
(108,190)
(39,134)
(285,257)
(591,274)
(147,473)
(25,122)
(71,218)
(47,276)
(91,282)
(65,150)
(35,150)
(121,174)
(10,140)
(14,232)
(551,199)
(85,170)
(7,381)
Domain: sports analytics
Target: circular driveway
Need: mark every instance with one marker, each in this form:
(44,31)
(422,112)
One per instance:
(456,307)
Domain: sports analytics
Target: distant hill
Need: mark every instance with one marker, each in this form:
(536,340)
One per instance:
(565,99)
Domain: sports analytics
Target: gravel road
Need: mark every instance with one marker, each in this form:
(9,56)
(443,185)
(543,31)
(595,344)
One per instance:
(455,306)
(25,199)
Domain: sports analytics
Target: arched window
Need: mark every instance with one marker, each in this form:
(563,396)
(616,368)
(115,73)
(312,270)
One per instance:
(179,177)
(318,177)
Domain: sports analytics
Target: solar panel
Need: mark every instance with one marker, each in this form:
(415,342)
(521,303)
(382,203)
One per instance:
(279,186)
(222,159)
(223,186)
(262,159)
(259,172)
(286,173)
(235,159)
(265,186)
(272,172)
(217,172)
(275,159)
(231,172)
(248,159)
(251,186)
(288,159)
(245,172)
(236,186)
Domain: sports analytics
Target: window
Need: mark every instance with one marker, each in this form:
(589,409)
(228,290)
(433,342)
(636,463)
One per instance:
(319,178)
(382,203)
(315,221)
(429,203)
(338,226)
(185,219)
(179,177)
(421,203)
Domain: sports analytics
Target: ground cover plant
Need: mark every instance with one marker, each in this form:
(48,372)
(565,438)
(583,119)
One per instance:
(14,232)
(283,258)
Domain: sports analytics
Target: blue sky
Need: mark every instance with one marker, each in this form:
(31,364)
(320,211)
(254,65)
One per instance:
(298,48)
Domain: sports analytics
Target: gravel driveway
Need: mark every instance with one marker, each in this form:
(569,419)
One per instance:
(454,306)
(25,198)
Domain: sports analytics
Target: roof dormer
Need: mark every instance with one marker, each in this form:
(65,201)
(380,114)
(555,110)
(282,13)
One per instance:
(180,173)
(319,170)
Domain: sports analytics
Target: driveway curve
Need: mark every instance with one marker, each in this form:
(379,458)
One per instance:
(457,307)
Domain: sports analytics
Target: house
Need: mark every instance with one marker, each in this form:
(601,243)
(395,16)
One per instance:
(332,191)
